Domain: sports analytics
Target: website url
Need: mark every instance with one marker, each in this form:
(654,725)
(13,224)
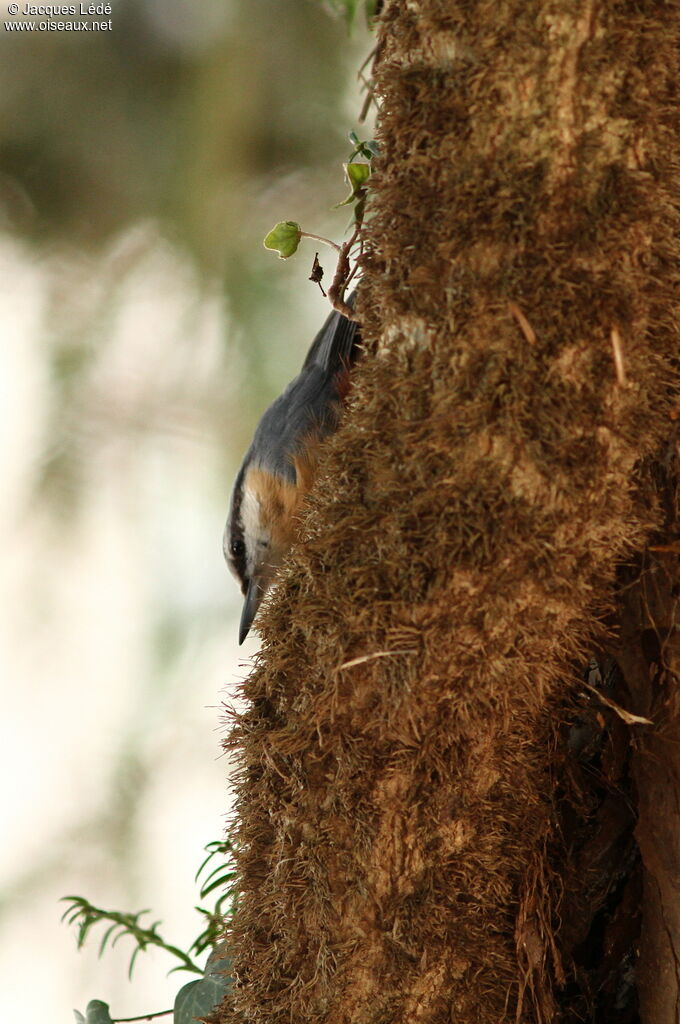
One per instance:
(58,26)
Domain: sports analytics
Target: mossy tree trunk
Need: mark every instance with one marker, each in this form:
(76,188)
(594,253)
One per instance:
(421,838)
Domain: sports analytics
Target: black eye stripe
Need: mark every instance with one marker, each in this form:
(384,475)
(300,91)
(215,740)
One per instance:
(237,550)
(234,547)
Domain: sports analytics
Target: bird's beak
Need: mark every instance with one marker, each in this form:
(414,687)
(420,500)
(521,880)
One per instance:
(254,595)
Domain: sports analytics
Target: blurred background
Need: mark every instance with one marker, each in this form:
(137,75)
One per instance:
(143,329)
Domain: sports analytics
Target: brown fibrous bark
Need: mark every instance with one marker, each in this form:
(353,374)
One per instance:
(399,841)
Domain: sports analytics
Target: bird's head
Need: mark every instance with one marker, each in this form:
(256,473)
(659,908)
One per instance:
(260,530)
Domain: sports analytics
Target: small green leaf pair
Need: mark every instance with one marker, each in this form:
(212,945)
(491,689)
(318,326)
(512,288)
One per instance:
(365,148)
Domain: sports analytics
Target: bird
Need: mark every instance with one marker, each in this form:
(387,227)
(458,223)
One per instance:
(279,467)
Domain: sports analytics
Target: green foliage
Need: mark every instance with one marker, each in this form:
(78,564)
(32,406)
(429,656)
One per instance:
(366,149)
(194,1000)
(85,915)
(357,175)
(284,238)
(97,1012)
(199,998)
(220,879)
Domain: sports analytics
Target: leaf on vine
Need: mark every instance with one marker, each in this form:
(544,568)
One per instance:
(357,175)
(97,1012)
(284,238)
(366,149)
(199,998)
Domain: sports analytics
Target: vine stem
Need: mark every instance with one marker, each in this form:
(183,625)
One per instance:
(146,1016)
(343,274)
(320,238)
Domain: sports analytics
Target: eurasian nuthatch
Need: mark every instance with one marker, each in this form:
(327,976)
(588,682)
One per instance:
(279,467)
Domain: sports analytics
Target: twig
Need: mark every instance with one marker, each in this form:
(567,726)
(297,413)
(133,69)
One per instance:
(336,292)
(369,657)
(370,96)
(525,326)
(372,54)
(672,548)
(619,365)
(628,717)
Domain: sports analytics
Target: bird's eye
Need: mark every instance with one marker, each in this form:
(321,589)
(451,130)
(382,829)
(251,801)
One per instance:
(237,549)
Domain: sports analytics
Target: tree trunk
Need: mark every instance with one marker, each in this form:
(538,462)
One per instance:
(404,790)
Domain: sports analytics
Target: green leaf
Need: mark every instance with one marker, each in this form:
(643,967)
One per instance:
(107,936)
(199,998)
(357,175)
(284,238)
(212,883)
(84,915)
(97,1012)
(366,150)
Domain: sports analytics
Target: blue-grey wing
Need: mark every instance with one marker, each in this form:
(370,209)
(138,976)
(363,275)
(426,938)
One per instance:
(310,403)
(335,344)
